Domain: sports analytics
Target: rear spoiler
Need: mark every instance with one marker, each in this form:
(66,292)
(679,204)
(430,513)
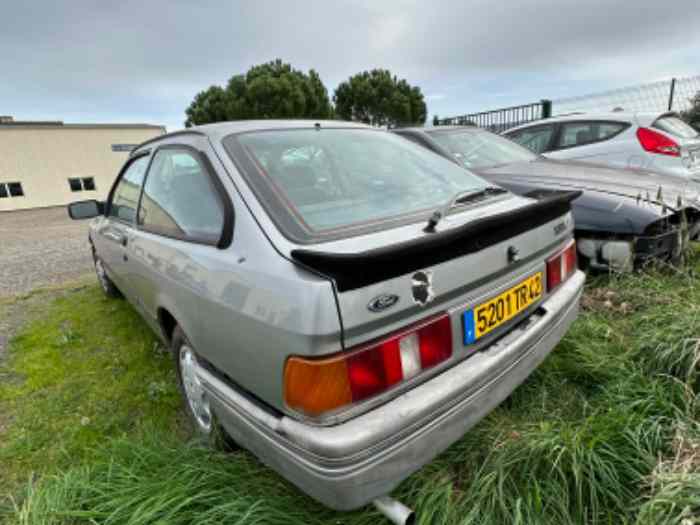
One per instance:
(357,270)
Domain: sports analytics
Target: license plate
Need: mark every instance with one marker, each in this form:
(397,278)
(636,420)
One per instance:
(491,314)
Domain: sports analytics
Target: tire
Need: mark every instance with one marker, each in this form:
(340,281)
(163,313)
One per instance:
(108,287)
(202,418)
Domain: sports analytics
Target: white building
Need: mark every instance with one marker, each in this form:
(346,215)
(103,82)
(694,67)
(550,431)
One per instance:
(52,163)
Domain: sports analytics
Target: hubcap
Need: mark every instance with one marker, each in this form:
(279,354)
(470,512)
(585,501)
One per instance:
(101,275)
(194,392)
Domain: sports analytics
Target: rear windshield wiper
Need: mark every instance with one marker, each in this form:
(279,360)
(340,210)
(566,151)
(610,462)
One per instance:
(460,198)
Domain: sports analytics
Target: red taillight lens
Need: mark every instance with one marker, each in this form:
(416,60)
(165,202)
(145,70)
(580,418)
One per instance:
(435,342)
(374,369)
(315,386)
(554,272)
(654,142)
(561,266)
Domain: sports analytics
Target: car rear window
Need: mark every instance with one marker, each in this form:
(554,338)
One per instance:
(675,126)
(331,183)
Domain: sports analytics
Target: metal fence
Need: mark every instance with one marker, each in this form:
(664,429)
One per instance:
(665,95)
(501,119)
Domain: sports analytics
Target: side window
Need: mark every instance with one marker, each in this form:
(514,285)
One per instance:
(126,194)
(536,139)
(580,133)
(179,199)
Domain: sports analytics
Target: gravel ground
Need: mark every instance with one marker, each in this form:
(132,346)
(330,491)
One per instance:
(41,247)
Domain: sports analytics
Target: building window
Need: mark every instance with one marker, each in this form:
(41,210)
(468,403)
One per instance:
(75,185)
(3,191)
(85,183)
(88,184)
(15,189)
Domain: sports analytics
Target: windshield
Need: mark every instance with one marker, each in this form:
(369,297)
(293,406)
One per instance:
(676,126)
(316,183)
(480,149)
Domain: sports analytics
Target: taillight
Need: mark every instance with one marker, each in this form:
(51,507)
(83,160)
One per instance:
(314,386)
(561,266)
(655,142)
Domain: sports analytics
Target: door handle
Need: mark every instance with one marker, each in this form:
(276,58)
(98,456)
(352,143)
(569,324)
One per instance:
(117,237)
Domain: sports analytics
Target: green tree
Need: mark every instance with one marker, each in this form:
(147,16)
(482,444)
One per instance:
(271,90)
(692,115)
(436,120)
(380,99)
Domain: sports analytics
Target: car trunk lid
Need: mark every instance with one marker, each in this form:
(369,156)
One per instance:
(386,287)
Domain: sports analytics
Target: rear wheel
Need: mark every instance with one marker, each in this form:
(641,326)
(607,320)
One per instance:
(108,287)
(196,400)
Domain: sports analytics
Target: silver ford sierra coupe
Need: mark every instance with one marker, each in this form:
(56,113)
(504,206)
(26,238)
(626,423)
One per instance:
(340,301)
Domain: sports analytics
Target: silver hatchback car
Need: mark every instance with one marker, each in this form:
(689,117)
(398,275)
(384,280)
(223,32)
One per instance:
(651,141)
(340,301)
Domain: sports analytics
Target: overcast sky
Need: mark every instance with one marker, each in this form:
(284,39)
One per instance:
(87,61)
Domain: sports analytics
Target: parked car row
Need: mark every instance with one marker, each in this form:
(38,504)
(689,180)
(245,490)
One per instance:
(624,218)
(346,302)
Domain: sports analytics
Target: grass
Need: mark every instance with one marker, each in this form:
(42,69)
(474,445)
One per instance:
(86,370)
(605,432)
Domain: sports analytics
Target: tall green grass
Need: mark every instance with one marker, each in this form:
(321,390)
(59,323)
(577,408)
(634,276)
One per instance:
(604,432)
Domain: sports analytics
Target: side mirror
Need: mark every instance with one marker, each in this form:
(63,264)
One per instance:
(85,209)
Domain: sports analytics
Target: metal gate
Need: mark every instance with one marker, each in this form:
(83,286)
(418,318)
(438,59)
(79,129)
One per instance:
(499,120)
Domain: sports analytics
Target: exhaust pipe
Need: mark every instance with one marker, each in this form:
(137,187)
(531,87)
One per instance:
(395,511)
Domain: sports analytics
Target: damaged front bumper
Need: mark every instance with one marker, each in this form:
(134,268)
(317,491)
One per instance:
(635,252)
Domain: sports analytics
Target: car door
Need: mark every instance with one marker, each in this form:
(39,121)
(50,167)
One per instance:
(180,225)
(536,138)
(116,231)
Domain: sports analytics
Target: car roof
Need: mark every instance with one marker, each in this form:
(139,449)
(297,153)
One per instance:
(620,116)
(438,128)
(219,130)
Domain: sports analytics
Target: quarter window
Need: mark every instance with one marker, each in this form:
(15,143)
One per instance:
(3,191)
(580,133)
(126,193)
(179,199)
(535,139)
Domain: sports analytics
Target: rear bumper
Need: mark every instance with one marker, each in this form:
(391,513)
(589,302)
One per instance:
(348,465)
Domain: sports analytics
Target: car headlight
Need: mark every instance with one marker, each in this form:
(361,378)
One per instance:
(614,254)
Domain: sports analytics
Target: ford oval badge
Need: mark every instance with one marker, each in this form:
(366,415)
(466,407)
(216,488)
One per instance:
(382,302)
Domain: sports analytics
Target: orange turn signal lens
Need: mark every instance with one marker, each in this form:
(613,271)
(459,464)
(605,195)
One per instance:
(316,386)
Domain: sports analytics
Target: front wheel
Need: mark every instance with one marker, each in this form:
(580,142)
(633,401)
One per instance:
(108,287)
